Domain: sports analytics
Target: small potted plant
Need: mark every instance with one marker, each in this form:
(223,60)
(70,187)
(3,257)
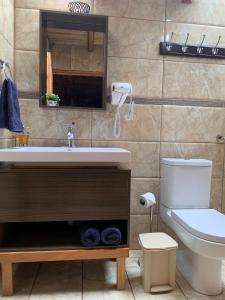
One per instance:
(52,99)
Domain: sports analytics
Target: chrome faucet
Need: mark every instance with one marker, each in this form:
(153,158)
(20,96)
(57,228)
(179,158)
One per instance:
(70,135)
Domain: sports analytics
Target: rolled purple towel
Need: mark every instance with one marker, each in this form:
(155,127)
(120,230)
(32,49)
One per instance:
(89,235)
(111,236)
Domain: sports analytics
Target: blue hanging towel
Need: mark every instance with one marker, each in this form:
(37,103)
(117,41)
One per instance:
(9,107)
(4,122)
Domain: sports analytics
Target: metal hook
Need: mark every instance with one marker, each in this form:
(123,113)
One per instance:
(215,50)
(169,46)
(186,39)
(1,63)
(200,48)
(4,69)
(184,48)
(218,41)
(3,66)
(171,37)
(203,38)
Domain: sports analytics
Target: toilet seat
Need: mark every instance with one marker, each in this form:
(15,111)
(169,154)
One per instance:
(207,224)
(198,258)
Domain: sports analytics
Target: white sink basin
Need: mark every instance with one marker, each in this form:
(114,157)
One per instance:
(64,154)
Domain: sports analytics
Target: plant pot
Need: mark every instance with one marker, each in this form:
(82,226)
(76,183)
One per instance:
(52,103)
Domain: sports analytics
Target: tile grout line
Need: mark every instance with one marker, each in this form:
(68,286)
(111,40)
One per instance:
(35,279)
(168,59)
(223,179)
(161,112)
(132,291)
(160,154)
(197,24)
(165,19)
(181,290)
(124,141)
(6,40)
(137,19)
(133,18)
(26,8)
(129,142)
(93,8)
(14,40)
(161,58)
(27,50)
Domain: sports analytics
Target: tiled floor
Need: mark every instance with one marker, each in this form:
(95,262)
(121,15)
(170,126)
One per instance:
(91,280)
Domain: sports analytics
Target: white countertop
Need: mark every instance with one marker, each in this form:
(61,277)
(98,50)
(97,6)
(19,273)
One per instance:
(65,154)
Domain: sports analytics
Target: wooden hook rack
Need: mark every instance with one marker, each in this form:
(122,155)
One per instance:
(167,48)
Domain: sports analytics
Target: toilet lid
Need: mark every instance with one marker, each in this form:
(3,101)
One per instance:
(208,224)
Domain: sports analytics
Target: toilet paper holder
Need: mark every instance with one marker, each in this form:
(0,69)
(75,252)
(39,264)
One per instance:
(148,200)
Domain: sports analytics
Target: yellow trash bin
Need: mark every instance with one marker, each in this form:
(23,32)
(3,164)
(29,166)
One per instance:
(158,266)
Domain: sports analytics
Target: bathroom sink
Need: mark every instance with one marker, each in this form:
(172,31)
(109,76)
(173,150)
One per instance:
(64,154)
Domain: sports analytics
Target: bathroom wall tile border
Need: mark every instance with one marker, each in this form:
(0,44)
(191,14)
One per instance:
(180,102)
(28,95)
(145,101)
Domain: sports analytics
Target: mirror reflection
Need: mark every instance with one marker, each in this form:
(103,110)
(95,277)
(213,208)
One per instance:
(75,66)
(73,60)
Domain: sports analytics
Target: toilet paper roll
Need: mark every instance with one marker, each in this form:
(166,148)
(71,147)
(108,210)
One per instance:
(147,200)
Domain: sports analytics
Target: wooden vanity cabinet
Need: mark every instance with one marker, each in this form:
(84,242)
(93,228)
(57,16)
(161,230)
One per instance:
(36,204)
(64,194)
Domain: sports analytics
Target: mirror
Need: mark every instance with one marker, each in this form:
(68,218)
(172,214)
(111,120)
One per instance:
(73,59)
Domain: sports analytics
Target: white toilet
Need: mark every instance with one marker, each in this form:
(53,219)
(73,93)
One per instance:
(184,207)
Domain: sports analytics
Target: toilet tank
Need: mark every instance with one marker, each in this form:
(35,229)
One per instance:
(185,183)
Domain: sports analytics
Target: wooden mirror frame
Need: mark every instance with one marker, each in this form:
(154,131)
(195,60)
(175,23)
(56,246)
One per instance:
(67,20)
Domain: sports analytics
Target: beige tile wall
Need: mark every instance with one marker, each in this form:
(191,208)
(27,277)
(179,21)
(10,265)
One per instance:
(135,29)
(77,57)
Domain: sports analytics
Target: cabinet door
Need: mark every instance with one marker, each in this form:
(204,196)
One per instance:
(62,194)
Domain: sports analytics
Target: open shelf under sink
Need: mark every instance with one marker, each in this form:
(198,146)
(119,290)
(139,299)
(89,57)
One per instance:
(45,236)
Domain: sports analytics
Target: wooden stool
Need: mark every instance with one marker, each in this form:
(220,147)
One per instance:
(8,258)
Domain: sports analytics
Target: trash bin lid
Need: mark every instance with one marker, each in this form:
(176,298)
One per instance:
(156,241)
